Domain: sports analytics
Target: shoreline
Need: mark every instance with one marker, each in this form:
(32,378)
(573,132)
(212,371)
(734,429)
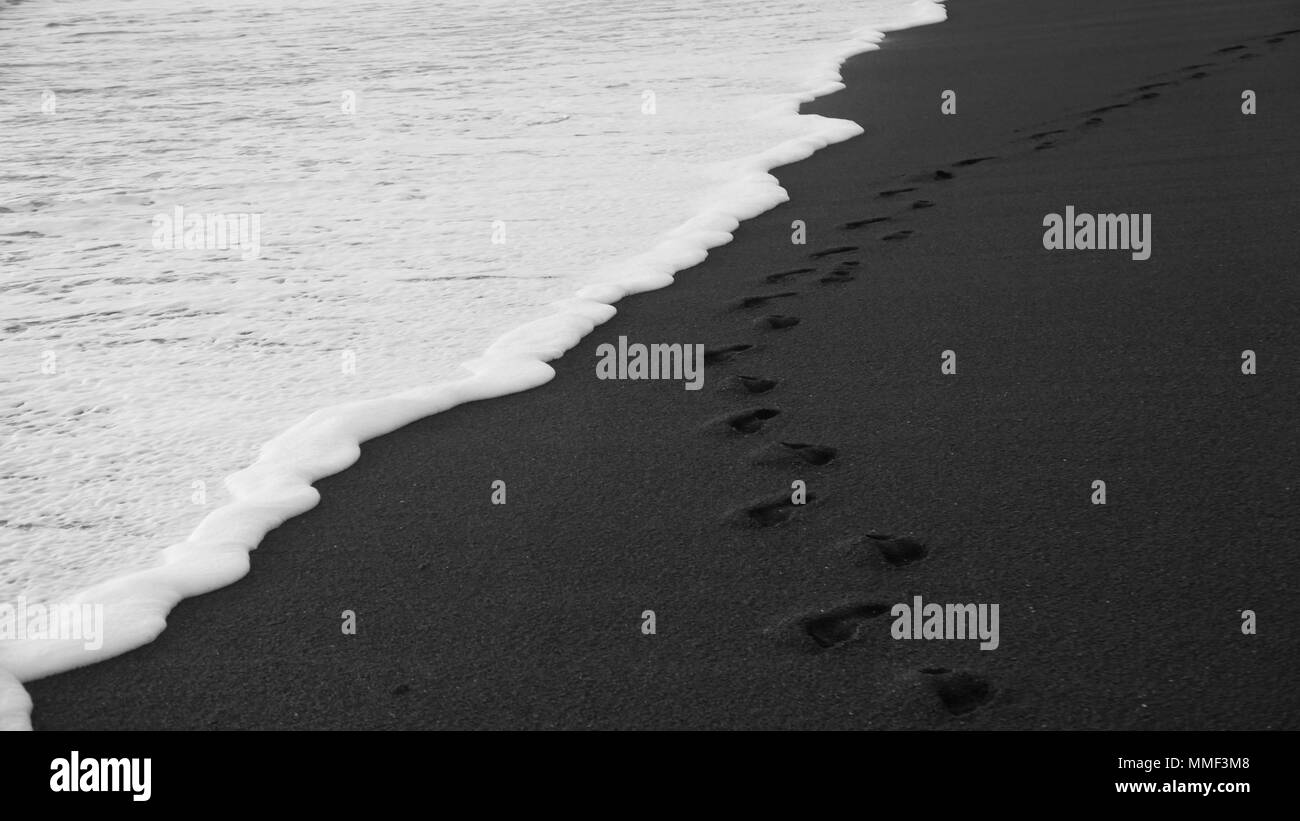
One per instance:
(279,485)
(530,619)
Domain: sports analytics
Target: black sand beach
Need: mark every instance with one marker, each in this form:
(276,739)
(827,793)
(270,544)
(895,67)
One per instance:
(1072,366)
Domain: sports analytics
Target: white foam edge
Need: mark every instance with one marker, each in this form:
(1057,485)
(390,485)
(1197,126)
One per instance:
(278,486)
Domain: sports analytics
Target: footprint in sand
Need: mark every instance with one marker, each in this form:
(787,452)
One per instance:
(898,551)
(837,277)
(754,301)
(838,249)
(960,692)
(864,222)
(784,275)
(747,421)
(841,273)
(776,322)
(780,453)
(769,512)
(842,624)
(972,161)
(713,356)
(755,384)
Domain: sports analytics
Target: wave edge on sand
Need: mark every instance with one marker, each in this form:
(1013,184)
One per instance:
(278,486)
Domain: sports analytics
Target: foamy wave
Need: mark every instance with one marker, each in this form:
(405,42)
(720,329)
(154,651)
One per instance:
(278,485)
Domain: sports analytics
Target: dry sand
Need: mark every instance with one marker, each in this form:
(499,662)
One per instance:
(1072,366)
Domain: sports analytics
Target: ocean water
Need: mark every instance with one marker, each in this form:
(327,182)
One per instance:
(438,196)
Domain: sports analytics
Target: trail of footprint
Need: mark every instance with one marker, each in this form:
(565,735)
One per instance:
(960,692)
(842,624)
(1147,93)
(713,356)
(838,249)
(769,512)
(776,322)
(755,301)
